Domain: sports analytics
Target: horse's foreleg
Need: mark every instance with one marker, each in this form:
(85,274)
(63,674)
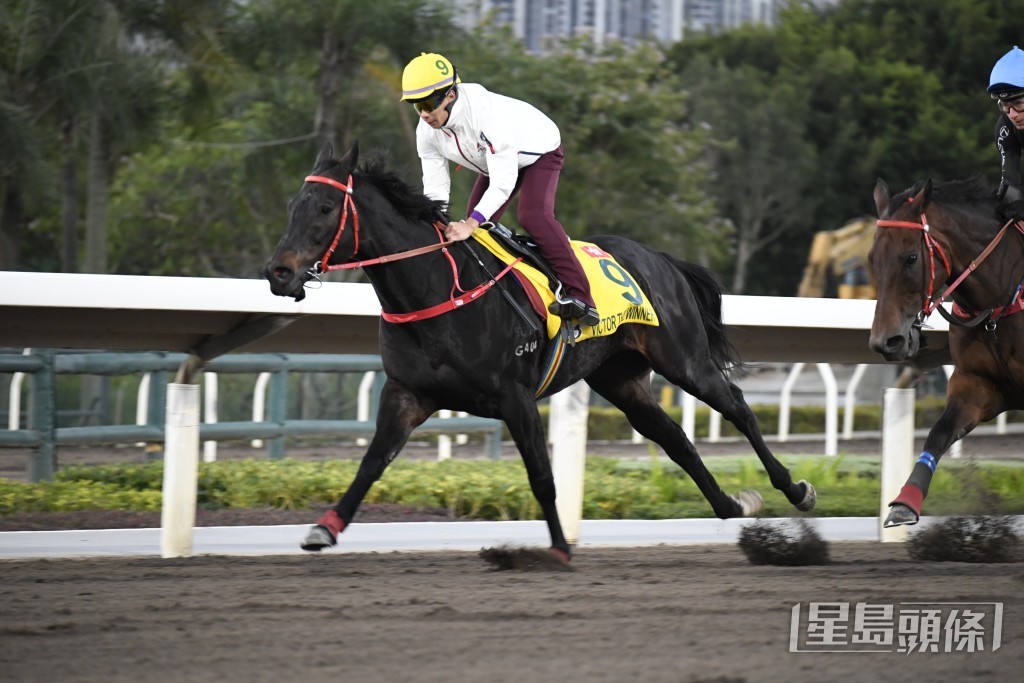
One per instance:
(966,406)
(400,412)
(524,425)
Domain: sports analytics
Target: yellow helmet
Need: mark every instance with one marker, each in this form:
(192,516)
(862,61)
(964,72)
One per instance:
(427,73)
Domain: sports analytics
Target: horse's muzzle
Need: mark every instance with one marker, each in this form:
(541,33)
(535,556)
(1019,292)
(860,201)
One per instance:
(284,281)
(897,347)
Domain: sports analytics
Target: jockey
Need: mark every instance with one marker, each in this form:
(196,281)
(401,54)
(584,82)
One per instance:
(1006,86)
(514,147)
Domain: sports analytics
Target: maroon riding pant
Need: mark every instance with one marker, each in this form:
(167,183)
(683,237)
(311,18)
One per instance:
(536,188)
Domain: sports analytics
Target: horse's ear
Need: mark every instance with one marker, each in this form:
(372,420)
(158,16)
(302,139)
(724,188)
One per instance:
(921,198)
(881,194)
(351,157)
(325,155)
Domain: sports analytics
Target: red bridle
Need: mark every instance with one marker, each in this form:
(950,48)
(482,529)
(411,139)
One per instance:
(933,246)
(453,302)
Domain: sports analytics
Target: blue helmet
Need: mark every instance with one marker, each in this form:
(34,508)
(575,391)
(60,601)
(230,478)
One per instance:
(1007,79)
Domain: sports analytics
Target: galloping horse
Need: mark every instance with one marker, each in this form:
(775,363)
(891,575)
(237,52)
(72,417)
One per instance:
(938,242)
(478,352)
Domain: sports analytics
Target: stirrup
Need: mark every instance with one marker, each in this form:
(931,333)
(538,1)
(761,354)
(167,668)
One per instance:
(572,308)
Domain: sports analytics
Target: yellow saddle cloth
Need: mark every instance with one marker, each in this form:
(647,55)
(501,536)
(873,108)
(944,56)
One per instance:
(619,299)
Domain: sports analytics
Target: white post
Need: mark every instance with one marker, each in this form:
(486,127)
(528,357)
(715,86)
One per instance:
(444,442)
(142,404)
(568,455)
(831,409)
(363,402)
(850,399)
(957,449)
(784,400)
(210,413)
(181,462)
(14,415)
(461,439)
(897,455)
(689,404)
(1001,423)
(259,402)
(715,426)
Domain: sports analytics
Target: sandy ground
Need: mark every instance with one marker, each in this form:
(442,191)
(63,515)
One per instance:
(673,614)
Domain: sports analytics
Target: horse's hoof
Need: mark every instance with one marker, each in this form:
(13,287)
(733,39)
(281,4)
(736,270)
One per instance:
(899,515)
(810,497)
(562,555)
(750,502)
(318,538)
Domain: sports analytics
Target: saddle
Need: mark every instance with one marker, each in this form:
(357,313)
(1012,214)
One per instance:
(522,246)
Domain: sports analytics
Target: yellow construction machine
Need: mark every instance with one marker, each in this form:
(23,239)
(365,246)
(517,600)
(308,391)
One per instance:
(838,263)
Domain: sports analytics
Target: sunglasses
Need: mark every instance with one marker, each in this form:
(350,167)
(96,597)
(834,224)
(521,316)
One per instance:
(1016,104)
(431,102)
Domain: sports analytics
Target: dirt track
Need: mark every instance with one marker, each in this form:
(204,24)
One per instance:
(673,614)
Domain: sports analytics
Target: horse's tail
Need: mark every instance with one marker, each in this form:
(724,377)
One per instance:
(708,293)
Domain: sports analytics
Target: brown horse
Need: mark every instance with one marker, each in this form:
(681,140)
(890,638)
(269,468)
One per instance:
(939,242)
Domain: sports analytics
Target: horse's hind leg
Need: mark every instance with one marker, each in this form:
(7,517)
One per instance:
(627,386)
(702,379)
(968,402)
(400,411)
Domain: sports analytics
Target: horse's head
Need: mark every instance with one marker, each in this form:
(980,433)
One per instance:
(317,220)
(900,263)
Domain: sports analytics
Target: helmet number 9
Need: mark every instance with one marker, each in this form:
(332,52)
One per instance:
(442,67)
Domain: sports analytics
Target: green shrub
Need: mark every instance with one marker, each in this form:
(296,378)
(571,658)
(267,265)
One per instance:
(650,488)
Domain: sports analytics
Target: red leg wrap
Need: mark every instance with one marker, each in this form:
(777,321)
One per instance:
(333,521)
(912,497)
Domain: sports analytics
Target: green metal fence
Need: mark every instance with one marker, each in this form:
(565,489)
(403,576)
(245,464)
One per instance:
(43,436)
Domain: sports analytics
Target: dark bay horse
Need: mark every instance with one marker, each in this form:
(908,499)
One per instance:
(486,358)
(940,242)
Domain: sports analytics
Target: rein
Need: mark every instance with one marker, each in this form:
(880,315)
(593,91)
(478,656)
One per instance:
(930,303)
(453,302)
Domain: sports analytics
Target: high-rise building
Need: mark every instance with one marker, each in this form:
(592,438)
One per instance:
(537,21)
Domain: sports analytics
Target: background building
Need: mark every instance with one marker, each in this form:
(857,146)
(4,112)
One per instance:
(536,21)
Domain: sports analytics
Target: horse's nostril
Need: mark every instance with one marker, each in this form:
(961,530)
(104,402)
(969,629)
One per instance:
(282,273)
(894,343)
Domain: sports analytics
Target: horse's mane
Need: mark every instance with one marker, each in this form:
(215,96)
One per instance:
(407,201)
(974,195)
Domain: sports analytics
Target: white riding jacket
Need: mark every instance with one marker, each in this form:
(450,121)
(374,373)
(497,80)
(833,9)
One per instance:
(489,133)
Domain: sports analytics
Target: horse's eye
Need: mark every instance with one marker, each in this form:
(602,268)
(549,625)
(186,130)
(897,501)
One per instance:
(910,260)
(326,209)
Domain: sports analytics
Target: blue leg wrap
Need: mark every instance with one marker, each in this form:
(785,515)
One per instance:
(928,460)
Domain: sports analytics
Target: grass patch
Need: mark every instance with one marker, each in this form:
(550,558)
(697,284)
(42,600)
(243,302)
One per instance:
(650,488)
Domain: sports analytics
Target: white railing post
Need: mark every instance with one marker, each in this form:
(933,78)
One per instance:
(850,400)
(784,400)
(568,455)
(897,456)
(363,402)
(689,405)
(831,409)
(444,442)
(259,402)
(210,413)
(14,415)
(142,404)
(181,462)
